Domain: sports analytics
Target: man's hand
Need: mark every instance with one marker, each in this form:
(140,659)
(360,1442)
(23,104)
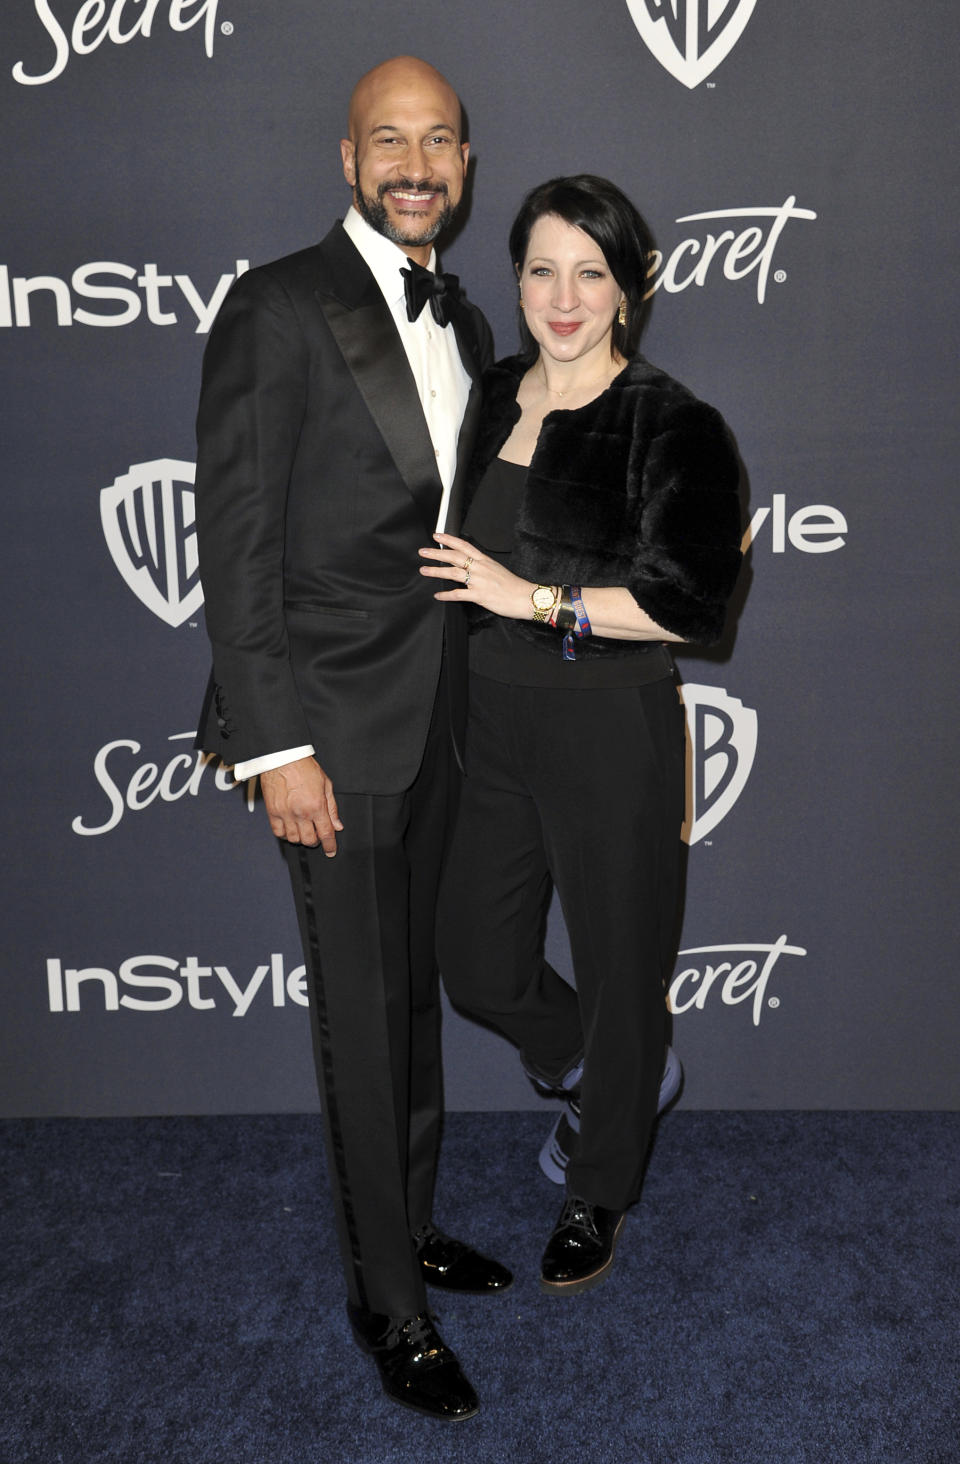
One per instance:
(300,804)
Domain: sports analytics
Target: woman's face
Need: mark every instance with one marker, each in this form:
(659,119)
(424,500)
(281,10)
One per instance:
(570,298)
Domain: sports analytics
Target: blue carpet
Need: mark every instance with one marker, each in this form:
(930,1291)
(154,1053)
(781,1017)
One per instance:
(786,1293)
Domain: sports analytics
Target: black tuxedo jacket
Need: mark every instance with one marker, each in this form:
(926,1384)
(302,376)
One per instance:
(316,484)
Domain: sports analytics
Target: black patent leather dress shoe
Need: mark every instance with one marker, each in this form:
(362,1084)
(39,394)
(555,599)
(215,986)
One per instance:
(580,1251)
(454,1266)
(416,1366)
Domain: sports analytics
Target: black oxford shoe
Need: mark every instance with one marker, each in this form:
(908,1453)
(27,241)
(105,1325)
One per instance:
(580,1251)
(416,1366)
(454,1266)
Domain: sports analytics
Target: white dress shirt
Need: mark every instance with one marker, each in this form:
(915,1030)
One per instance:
(443,386)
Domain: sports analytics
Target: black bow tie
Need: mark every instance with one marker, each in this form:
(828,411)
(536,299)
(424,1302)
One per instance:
(420,285)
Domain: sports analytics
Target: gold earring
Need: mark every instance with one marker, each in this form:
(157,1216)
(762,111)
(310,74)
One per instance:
(622,313)
(521,304)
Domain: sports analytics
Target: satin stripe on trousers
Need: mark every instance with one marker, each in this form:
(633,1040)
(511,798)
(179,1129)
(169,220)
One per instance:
(367,925)
(581,789)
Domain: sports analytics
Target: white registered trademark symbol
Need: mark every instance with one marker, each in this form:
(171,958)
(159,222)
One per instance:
(774,1002)
(226,29)
(780,275)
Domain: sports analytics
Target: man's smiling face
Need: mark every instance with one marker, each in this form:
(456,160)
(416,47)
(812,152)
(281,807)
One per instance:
(404,159)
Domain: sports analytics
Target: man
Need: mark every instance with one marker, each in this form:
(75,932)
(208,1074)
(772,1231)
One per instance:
(335,419)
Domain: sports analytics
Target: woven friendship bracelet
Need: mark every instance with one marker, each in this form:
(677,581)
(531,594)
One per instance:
(582,627)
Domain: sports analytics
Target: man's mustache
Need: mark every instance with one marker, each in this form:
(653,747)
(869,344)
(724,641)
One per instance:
(406,185)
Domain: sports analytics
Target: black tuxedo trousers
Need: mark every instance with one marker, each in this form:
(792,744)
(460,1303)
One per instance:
(367,924)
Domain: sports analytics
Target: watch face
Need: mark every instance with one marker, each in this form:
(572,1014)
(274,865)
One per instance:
(542,597)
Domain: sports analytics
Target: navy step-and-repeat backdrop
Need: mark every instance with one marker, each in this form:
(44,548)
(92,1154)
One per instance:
(794,164)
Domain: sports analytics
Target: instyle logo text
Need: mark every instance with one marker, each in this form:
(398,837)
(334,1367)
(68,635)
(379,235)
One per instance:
(34,300)
(150,983)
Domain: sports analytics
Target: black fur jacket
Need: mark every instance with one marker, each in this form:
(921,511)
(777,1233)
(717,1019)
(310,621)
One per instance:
(637,488)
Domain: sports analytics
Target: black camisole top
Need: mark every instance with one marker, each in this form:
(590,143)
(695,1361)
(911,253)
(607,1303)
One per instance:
(497,651)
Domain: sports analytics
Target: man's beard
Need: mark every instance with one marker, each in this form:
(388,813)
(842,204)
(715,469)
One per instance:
(375,212)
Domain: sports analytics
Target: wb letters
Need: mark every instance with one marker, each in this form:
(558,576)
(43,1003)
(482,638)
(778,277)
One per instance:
(721,746)
(690,37)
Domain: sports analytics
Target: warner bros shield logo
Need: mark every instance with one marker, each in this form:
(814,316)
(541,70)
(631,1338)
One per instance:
(690,37)
(721,745)
(148,523)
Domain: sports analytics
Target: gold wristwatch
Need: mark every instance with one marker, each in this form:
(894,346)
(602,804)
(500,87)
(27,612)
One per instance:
(543,598)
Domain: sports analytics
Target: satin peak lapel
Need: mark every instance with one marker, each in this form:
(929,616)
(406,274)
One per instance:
(471,417)
(368,342)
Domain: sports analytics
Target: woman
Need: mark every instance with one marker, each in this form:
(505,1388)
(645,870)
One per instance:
(604,523)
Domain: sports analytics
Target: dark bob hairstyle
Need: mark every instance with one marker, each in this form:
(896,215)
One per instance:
(598,208)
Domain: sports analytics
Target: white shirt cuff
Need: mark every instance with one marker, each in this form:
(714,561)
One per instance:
(254,766)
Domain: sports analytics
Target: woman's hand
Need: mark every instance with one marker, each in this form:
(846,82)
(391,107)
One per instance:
(482,581)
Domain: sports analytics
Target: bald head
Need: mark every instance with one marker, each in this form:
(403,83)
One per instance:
(404,158)
(400,76)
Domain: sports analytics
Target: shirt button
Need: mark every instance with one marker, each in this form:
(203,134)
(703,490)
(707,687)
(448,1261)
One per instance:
(429,335)
(433,393)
